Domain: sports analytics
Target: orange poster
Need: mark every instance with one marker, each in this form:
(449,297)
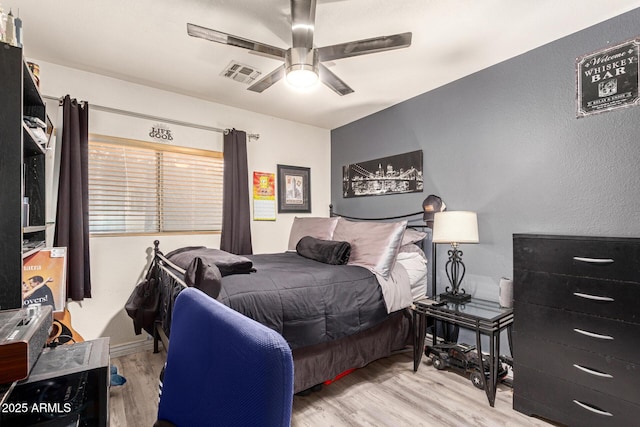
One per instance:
(264,196)
(44,278)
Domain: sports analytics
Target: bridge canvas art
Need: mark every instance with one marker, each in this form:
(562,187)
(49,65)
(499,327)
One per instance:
(401,173)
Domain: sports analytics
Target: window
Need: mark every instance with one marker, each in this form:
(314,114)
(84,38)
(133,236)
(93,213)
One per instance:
(142,187)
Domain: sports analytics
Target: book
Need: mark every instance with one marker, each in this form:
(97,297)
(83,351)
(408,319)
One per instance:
(44,276)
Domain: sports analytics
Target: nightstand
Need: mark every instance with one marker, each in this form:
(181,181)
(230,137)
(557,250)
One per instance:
(483,317)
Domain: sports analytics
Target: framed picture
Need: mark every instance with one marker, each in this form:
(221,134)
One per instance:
(397,174)
(294,189)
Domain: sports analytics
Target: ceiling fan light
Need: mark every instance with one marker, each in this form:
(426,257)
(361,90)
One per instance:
(306,27)
(301,66)
(302,77)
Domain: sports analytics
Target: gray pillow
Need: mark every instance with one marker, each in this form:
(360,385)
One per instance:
(317,227)
(374,245)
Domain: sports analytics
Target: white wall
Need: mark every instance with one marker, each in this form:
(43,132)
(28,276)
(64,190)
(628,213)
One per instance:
(117,263)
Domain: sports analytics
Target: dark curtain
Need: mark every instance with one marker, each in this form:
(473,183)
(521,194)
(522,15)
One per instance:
(72,215)
(236,221)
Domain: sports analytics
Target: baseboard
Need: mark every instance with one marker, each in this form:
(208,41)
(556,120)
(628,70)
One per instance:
(118,350)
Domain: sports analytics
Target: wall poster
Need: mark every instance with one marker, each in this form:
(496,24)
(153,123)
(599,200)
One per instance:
(608,79)
(264,196)
(44,279)
(401,173)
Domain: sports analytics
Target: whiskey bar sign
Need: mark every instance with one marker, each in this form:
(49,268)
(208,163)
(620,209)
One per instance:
(608,79)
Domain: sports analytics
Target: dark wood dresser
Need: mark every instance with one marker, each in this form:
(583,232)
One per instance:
(576,331)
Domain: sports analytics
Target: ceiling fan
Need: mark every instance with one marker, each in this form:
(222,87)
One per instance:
(303,62)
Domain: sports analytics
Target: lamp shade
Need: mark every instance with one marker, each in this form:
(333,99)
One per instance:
(455,227)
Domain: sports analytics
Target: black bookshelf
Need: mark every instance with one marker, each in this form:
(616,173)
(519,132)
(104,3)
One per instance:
(22,173)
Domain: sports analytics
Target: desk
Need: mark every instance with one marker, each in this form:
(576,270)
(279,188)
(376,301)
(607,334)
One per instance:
(483,317)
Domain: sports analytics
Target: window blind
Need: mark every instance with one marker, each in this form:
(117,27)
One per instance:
(139,187)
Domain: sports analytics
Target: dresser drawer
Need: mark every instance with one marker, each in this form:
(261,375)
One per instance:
(533,408)
(607,258)
(569,403)
(612,376)
(604,298)
(599,335)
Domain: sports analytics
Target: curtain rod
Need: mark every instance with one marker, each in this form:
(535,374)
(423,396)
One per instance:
(250,136)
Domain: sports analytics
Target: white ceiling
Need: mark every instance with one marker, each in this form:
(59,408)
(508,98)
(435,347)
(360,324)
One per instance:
(146,42)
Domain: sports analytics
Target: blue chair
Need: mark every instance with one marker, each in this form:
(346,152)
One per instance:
(224,369)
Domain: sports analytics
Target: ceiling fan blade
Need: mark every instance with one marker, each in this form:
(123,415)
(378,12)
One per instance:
(303,18)
(267,81)
(363,47)
(224,38)
(334,82)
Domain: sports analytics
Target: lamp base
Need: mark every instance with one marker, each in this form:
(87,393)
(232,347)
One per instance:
(456,298)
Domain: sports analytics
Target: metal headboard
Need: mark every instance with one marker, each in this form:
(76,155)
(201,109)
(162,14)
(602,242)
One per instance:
(163,262)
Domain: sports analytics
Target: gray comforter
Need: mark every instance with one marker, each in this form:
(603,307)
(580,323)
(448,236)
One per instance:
(306,301)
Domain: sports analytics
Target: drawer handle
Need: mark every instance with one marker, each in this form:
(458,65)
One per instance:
(593,297)
(593,335)
(593,372)
(592,409)
(594,260)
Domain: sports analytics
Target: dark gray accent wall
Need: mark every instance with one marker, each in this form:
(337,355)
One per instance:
(505,142)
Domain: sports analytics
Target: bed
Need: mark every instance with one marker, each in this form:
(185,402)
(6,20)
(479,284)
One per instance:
(335,316)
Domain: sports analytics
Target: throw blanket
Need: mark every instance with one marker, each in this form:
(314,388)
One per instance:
(325,251)
(227,263)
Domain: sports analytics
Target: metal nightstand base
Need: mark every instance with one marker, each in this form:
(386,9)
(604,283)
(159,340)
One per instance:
(456,298)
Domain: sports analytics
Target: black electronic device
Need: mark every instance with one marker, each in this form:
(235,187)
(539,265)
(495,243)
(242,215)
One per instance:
(68,386)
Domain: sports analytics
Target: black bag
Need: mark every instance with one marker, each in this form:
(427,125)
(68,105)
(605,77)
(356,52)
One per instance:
(204,276)
(143,303)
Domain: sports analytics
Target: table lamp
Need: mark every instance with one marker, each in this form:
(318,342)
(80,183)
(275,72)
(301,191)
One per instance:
(455,227)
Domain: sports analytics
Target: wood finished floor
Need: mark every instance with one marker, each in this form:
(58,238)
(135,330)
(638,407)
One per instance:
(385,393)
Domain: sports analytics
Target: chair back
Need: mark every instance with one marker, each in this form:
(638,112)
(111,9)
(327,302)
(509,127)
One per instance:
(223,368)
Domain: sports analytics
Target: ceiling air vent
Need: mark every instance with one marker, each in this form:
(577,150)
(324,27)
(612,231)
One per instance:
(240,72)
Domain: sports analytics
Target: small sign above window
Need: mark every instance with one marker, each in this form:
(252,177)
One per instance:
(161,133)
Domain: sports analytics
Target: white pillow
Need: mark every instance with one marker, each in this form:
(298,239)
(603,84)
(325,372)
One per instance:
(416,266)
(412,236)
(320,228)
(374,245)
